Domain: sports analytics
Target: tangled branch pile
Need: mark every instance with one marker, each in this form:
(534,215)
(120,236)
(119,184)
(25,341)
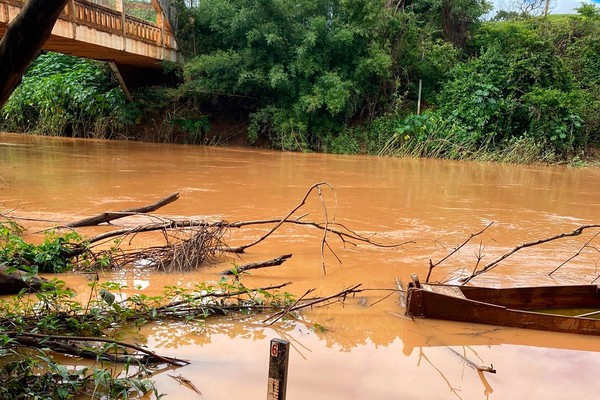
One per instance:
(189,244)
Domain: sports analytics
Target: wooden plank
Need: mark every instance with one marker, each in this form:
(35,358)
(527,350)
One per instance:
(452,291)
(402,292)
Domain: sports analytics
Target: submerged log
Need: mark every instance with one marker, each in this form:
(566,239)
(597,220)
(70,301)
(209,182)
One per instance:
(14,282)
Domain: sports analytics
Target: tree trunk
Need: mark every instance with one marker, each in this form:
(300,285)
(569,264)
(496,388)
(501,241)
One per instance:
(25,35)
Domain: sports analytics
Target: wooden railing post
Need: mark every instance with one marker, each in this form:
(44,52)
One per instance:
(278,365)
(119,7)
(160,21)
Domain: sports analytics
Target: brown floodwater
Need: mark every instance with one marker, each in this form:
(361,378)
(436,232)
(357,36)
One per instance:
(368,350)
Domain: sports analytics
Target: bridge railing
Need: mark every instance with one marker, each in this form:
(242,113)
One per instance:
(109,20)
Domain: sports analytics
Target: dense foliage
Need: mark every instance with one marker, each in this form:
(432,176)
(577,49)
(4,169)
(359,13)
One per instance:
(308,70)
(67,96)
(527,93)
(344,76)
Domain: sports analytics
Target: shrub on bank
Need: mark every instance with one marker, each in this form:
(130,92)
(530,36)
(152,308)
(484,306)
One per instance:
(68,96)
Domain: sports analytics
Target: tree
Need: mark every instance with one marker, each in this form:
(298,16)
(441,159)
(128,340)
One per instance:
(23,40)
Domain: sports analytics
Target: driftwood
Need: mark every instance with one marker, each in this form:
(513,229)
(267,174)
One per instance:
(111,216)
(184,236)
(255,265)
(475,366)
(25,35)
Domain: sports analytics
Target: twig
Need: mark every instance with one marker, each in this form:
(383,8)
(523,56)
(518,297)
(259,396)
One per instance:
(324,239)
(432,265)
(261,264)
(206,295)
(276,317)
(241,249)
(473,365)
(586,244)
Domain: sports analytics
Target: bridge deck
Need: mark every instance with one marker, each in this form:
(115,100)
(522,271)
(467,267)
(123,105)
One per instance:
(93,31)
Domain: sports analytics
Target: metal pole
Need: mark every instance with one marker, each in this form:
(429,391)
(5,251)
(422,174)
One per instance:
(419,97)
(278,365)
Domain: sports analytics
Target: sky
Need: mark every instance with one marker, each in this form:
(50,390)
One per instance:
(556,6)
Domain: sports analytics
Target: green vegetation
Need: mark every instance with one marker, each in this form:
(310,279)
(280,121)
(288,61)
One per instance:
(344,77)
(52,255)
(68,96)
(36,328)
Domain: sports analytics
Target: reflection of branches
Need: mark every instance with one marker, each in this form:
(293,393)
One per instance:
(452,388)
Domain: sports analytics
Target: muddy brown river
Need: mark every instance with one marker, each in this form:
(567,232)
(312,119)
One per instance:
(367,349)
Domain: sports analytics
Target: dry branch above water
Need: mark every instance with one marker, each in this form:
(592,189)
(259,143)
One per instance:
(189,244)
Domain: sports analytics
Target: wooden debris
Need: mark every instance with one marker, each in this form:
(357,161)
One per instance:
(113,215)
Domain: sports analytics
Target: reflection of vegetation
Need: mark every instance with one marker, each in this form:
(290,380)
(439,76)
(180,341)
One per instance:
(174,335)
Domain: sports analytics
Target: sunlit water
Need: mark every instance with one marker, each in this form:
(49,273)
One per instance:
(368,350)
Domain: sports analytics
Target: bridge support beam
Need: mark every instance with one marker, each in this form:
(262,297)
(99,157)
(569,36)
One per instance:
(117,74)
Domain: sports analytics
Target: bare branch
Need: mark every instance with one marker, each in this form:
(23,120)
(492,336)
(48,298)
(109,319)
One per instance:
(64,344)
(456,249)
(495,263)
(586,244)
(111,216)
(241,249)
(261,264)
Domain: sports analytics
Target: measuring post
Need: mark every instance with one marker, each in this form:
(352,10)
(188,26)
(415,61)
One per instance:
(278,365)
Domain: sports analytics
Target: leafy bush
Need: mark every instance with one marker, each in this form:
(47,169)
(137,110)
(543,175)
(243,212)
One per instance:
(63,95)
(52,255)
(519,85)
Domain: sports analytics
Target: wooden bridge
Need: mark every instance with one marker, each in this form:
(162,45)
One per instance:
(134,48)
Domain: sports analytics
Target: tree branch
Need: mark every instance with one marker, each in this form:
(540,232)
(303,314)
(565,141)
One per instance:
(111,216)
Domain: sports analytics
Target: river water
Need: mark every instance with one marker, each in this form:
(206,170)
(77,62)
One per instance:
(366,348)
